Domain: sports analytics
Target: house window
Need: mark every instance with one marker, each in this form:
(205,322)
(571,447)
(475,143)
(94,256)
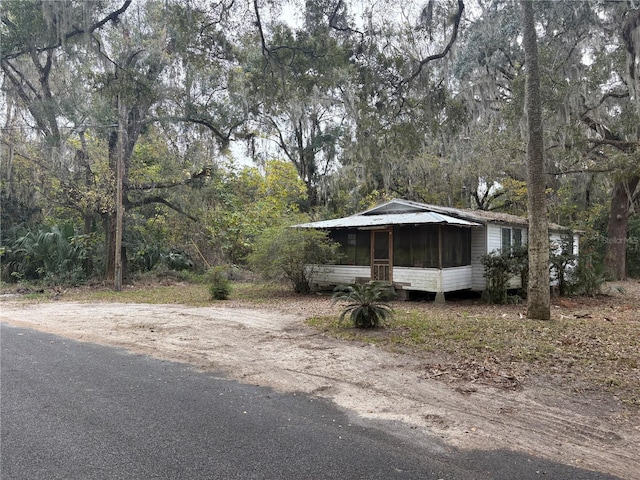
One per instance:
(517,237)
(511,238)
(506,240)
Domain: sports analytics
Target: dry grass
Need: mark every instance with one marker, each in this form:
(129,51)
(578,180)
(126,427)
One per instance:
(590,345)
(166,291)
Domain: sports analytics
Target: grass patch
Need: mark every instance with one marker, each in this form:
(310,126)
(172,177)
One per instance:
(174,292)
(181,293)
(259,292)
(583,354)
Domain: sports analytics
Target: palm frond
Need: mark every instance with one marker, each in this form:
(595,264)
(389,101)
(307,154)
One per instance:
(366,304)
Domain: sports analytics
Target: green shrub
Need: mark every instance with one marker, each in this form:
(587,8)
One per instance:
(219,284)
(291,253)
(587,278)
(499,267)
(367,307)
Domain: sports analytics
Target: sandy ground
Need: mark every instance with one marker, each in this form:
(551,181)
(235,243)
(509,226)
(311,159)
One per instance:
(275,348)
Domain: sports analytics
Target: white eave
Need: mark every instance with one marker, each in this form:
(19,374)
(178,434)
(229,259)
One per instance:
(382,220)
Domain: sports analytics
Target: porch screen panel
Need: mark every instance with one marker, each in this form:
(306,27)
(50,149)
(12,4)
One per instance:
(355,246)
(415,246)
(456,247)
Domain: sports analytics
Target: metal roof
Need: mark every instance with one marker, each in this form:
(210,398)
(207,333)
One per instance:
(480,216)
(405,212)
(381,220)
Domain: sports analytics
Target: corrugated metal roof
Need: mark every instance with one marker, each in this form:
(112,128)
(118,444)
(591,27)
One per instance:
(480,216)
(405,212)
(414,218)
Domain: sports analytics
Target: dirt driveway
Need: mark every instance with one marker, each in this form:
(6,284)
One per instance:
(275,348)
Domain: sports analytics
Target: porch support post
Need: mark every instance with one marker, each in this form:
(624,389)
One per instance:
(391,255)
(440,247)
(440,295)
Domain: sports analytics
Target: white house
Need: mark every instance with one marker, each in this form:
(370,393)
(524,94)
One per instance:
(421,247)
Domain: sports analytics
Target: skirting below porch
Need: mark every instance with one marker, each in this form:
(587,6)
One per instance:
(406,278)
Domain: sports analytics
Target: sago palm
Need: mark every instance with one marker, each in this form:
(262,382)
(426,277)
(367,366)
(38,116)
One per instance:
(367,305)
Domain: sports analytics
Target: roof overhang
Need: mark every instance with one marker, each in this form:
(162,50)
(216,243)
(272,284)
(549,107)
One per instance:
(389,219)
(405,212)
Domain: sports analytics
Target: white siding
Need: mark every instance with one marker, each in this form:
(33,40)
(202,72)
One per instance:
(494,236)
(457,278)
(515,282)
(325,275)
(494,242)
(406,278)
(423,279)
(483,240)
(555,240)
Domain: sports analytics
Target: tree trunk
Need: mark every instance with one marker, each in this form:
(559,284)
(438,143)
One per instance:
(538,294)
(615,264)
(109,225)
(109,220)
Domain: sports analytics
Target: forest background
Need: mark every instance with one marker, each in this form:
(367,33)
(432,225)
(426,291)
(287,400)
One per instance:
(206,124)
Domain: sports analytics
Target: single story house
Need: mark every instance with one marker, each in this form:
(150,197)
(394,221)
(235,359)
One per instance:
(420,247)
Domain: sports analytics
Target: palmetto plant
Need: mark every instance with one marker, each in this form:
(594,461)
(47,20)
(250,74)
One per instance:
(56,252)
(367,305)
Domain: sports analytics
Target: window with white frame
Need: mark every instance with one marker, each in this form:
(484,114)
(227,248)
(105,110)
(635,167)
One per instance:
(511,238)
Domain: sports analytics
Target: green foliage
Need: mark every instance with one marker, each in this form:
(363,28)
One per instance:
(349,131)
(150,244)
(633,248)
(219,284)
(240,205)
(499,267)
(292,253)
(55,254)
(367,305)
(587,278)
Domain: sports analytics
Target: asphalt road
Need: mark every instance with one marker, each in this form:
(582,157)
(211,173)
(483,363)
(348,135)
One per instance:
(72,410)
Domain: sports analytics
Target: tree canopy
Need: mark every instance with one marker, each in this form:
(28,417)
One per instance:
(227,118)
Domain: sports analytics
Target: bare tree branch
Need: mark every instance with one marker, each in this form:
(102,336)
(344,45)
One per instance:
(334,20)
(608,137)
(205,172)
(113,16)
(263,41)
(454,35)
(163,201)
